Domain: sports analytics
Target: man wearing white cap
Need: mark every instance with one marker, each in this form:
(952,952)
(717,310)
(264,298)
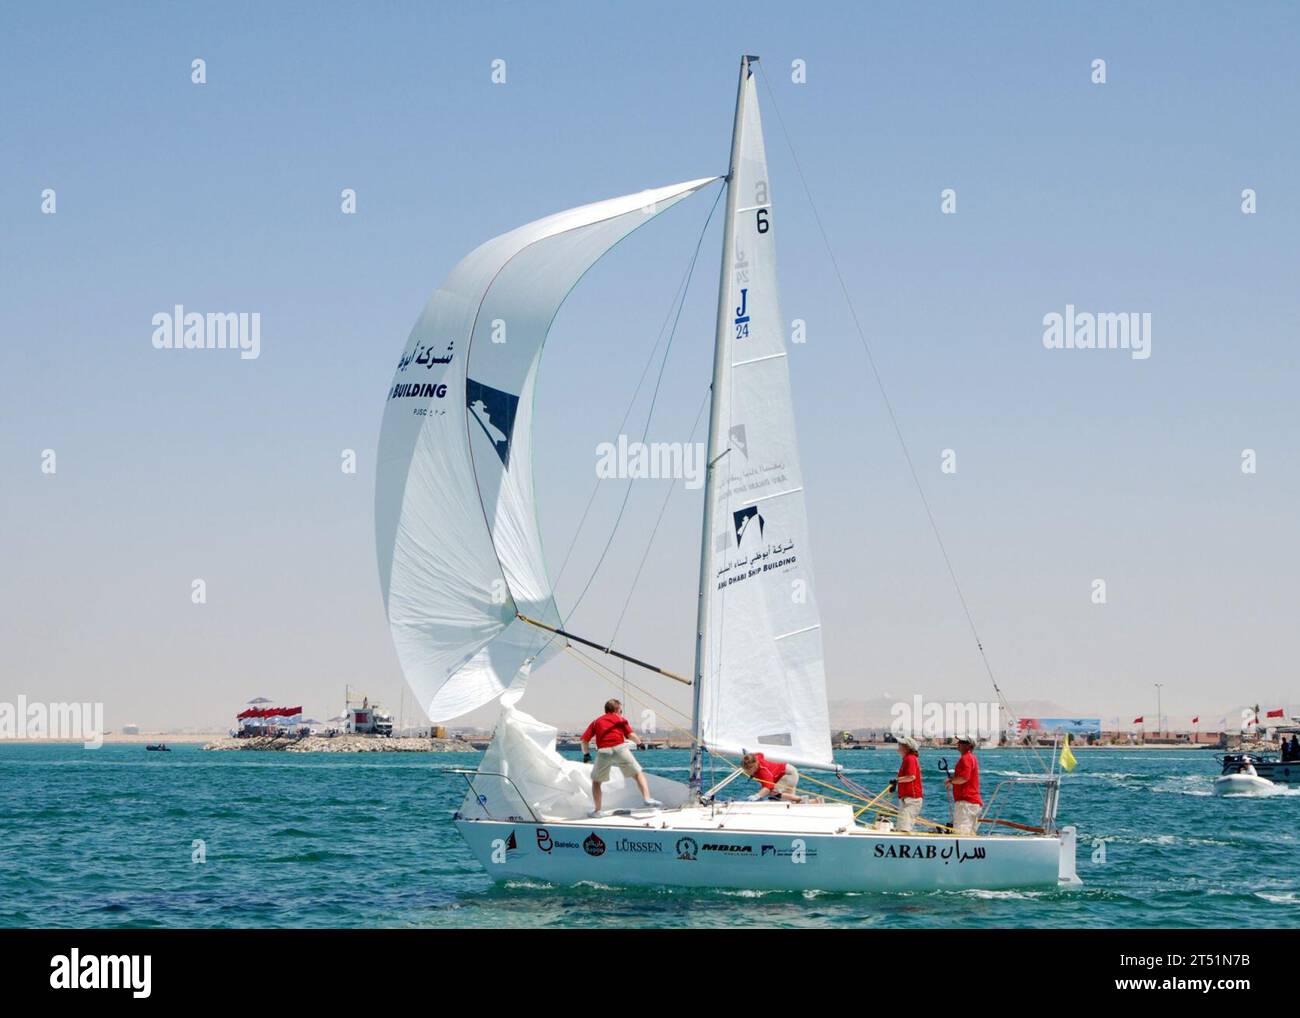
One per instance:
(965,784)
(908,784)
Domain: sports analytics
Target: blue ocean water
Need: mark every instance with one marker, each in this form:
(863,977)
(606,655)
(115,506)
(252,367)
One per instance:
(105,838)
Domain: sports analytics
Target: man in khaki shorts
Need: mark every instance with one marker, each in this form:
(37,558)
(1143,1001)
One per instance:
(613,736)
(908,784)
(778,780)
(965,784)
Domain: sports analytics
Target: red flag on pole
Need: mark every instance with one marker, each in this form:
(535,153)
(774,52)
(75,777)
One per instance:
(1137,721)
(1196,720)
(1279,713)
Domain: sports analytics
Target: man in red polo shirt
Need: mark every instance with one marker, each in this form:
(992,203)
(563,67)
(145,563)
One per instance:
(908,784)
(965,785)
(778,780)
(613,736)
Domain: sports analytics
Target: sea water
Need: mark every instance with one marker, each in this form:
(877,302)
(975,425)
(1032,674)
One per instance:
(117,836)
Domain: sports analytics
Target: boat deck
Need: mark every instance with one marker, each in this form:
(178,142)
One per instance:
(761,817)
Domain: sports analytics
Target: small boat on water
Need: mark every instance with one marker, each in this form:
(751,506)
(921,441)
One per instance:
(1243,784)
(1270,767)
(157,747)
(1241,777)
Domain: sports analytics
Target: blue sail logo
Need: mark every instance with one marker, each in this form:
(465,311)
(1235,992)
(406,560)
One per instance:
(494,410)
(742,518)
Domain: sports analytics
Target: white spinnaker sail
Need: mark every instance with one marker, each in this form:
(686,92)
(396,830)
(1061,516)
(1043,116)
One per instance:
(455,525)
(764,684)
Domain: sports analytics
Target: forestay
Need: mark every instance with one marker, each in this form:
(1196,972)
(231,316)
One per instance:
(458,546)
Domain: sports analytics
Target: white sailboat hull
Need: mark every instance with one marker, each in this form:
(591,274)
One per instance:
(762,846)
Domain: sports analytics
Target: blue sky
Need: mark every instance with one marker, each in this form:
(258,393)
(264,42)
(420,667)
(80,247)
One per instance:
(1072,465)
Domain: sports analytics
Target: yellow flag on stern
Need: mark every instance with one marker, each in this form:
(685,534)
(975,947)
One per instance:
(1067,758)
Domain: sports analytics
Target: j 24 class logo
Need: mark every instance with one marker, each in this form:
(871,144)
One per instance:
(742,314)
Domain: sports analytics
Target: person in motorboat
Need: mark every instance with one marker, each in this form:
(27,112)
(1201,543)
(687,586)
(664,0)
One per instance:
(908,784)
(1247,768)
(965,785)
(614,737)
(778,780)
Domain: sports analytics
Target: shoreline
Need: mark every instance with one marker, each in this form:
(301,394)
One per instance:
(339,744)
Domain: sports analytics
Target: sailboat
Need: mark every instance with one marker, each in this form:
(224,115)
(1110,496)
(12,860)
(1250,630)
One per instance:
(473,614)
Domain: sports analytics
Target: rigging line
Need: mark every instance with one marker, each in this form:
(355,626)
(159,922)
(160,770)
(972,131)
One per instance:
(654,399)
(610,676)
(595,488)
(469,351)
(622,424)
(573,638)
(650,543)
(851,789)
(889,407)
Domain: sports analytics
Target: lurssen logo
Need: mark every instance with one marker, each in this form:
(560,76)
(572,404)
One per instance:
(593,845)
(628,845)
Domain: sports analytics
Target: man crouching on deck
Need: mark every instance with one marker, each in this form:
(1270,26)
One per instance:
(778,780)
(612,732)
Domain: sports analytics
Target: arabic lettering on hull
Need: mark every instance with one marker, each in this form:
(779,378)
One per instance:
(948,853)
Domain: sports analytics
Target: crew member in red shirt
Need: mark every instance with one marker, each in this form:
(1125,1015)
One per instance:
(778,780)
(965,785)
(908,784)
(613,736)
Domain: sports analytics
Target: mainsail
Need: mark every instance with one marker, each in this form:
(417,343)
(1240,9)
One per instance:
(459,551)
(762,685)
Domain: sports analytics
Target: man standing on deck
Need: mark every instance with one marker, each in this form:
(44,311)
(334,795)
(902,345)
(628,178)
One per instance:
(613,733)
(965,785)
(908,784)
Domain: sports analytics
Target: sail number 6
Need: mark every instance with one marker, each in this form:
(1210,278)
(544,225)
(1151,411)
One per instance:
(761,219)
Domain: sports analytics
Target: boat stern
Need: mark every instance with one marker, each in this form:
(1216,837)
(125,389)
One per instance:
(1067,874)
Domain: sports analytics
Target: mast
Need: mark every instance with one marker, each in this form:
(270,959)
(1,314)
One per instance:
(720,348)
